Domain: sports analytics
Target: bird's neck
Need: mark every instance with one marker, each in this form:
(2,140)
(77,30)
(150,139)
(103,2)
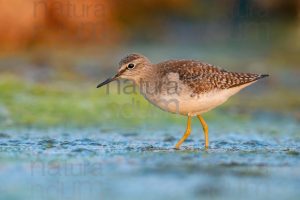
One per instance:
(148,79)
(148,75)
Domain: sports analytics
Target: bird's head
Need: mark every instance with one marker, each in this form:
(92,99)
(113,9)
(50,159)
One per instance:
(131,67)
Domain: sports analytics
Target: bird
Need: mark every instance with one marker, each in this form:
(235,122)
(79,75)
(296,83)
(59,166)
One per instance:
(182,86)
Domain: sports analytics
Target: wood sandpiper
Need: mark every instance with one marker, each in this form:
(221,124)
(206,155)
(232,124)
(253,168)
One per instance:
(186,87)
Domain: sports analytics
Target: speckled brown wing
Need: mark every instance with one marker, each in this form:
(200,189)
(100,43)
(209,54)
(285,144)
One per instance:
(202,77)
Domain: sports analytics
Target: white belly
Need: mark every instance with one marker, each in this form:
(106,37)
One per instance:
(184,104)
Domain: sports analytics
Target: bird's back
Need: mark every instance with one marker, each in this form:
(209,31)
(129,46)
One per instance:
(203,78)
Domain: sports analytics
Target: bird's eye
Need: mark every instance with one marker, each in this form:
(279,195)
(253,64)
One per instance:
(130,66)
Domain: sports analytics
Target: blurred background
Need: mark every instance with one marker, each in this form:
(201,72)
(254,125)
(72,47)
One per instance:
(54,52)
(61,138)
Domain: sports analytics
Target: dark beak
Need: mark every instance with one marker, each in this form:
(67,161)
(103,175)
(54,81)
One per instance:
(110,79)
(107,81)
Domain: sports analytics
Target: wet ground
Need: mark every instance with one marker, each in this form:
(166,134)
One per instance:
(253,160)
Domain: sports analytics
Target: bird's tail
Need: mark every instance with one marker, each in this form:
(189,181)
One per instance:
(238,79)
(262,76)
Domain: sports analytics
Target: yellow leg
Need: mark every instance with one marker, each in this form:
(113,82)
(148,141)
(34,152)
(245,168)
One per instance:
(186,134)
(205,129)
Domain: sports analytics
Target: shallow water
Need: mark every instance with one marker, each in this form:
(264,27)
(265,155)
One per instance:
(97,163)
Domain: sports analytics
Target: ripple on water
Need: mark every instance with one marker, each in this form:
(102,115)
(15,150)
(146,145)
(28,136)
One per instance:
(132,134)
(47,143)
(82,152)
(169,138)
(254,143)
(4,135)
